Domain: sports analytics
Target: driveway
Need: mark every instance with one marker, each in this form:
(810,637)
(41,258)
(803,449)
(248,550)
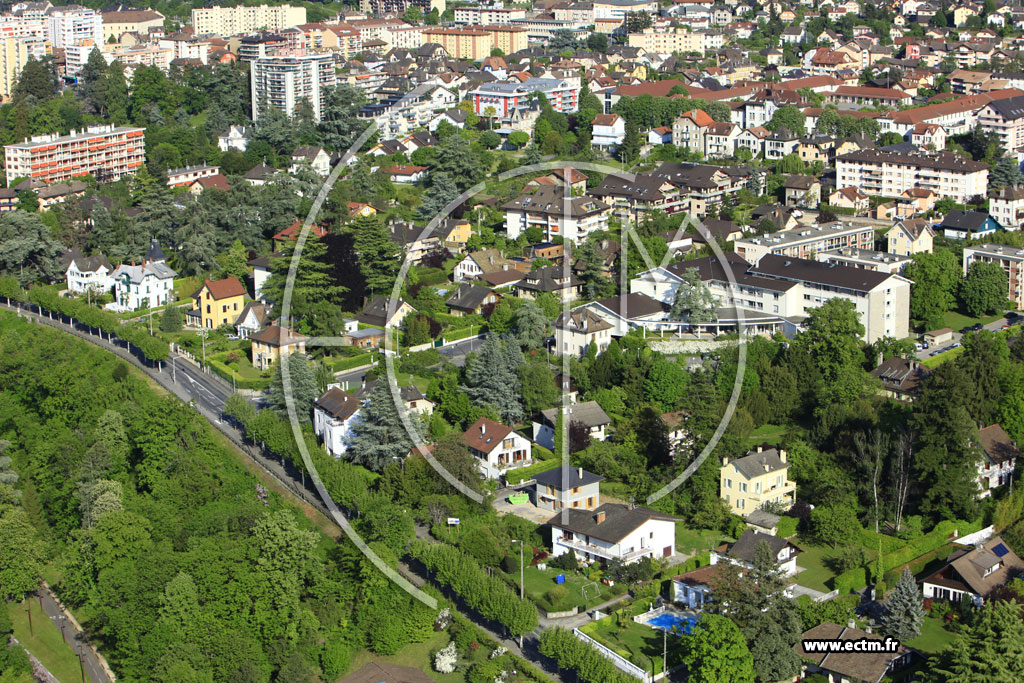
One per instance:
(527,510)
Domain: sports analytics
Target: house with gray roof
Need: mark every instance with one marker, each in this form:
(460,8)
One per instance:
(147,285)
(742,552)
(613,531)
(571,487)
(588,414)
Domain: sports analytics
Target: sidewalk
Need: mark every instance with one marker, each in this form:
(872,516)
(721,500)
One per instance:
(95,665)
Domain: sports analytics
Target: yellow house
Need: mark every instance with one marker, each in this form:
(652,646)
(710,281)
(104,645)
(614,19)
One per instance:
(219,302)
(757,478)
(910,236)
(455,233)
(274,341)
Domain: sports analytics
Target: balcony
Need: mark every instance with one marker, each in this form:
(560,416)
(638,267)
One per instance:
(601,551)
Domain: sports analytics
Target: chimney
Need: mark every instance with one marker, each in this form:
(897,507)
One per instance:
(782,455)
(599,517)
(725,461)
(483,427)
(767,467)
(579,471)
(851,624)
(760,448)
(880,358)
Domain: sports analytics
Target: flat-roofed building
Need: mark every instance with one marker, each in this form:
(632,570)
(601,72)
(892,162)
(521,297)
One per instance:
(484,15)
(284,80)
(504,98)
(106,152)
(1010,259)
(462,43)
(805,241)
(230,21)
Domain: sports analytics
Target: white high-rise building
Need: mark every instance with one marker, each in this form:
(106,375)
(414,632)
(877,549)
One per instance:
(230,21)
(71,24)
(284,80)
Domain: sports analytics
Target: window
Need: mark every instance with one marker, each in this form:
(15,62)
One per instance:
(740,503)
(743,487)
(728,483)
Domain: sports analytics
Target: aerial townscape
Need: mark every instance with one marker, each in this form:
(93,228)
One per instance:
(564,341)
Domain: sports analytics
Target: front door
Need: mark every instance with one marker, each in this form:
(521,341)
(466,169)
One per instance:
(668,551)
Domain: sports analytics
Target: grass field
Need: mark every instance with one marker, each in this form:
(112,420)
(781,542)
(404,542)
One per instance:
(933,637)
(640,644)
(769,434)
(46,644)
(957,321)
(416,655)
(695,540)
(539,583)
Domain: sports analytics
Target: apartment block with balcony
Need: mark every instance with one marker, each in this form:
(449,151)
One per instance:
(106,152)
(1005,119)
(1006,205)
(505,98)
(805,241)
(484,15)
(572,218)
(758,478)
(890,174)
(1010,259)
(284,80)
(229,21)
(462,43)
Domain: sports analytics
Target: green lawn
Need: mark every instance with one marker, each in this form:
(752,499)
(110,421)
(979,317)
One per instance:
(638,643)
(769,434)
(185,287)
(539,584)
(416,655)
(957,321)
(696,540)
(935,361)
(46,644)
(933,637)
(816,573)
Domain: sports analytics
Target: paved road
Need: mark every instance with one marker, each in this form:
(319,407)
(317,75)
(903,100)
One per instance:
(75,638)
(994,326)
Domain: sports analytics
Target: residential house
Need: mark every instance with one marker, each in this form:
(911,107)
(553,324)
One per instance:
(688,130)
(589,414)
(577,330)
(470,299)
(551,279)
(366,338)
(613,531)
(1005,119)
(235,137)
(742,552)
(910,236)
(87,273)
(273,342)
(497,448)
(972,574)
(404,173)
(478,263)
(334,416)
(760,477)
(850,666)
(803,191)
(259,174)
(679,435)
(572,488)
(379,312)
(806,241)
(695,588)
(318,159)
(929,136)
(781,143)
(1000,461)
(720,139)
(900,378)
(454,233)
(144,286)
(1006,205)
(218,302)
(963,225)
(261,272)
(253,318)
(850,198)
(609,130)
(816,148)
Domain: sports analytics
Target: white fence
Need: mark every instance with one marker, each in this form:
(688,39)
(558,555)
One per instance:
(618,660)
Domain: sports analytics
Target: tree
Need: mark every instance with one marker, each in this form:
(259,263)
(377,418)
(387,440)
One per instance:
(441,192)
(21,554)
(493,378)
(458,160)
(380,435)
(339,124)
(667,381)
(37,79)
(992,642)
(518,138)
(631,143)
(489,139)
(984,290)
(791,164)
(172,319)
(1005,172)
(904,612)
(378,254)
(316,290)
(590,262)
(28,250)
(562,39)
(234,262)
(635,22)
(789,117)
(413,15)
(538,386)
(531,325)
(302,383)
(693,301)
(936,278)
(597,42)
(716,652)
(835,524)
(831,338)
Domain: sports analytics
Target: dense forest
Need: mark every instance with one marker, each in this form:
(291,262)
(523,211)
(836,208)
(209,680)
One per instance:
(177,561)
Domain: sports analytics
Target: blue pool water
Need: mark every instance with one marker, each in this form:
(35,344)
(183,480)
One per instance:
(666,620)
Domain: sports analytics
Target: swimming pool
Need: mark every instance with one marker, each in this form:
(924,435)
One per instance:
(667,620)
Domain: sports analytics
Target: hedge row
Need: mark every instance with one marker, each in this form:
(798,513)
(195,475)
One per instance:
(851,580)
(701,560)
(224,372)
(572,653)
(48,299)
(786,527)
(483,592)
(350,362)
(872,539)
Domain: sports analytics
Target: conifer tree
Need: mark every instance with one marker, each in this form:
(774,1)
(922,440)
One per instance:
(904,612)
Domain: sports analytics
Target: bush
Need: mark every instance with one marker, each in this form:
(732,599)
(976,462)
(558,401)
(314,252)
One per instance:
(556,595)
(851,580)
(565,562)
(172,320)
(510,565)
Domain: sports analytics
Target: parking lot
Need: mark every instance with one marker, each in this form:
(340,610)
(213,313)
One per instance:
(995,326)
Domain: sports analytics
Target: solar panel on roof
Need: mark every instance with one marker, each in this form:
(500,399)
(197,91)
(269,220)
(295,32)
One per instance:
(1000,550)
